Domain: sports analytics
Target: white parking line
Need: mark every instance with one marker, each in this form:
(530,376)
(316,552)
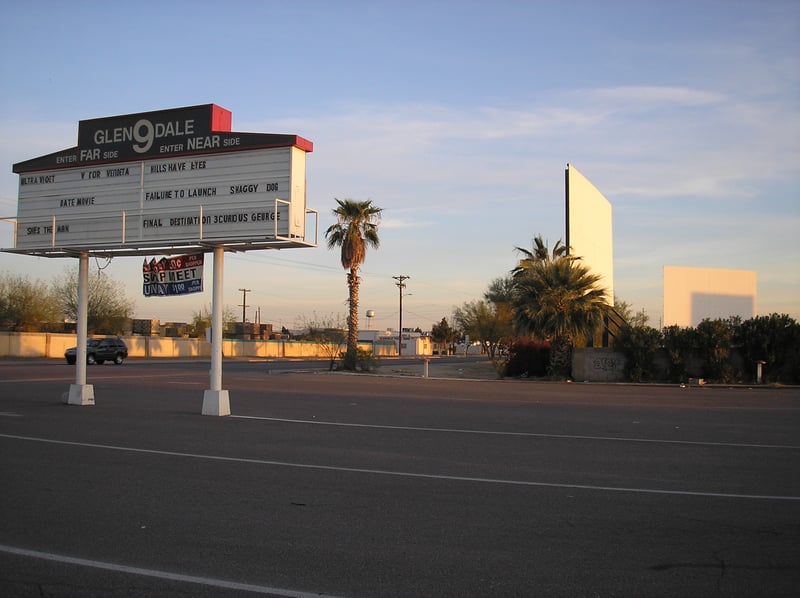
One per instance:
(206,581)
(525,434)
(406,474)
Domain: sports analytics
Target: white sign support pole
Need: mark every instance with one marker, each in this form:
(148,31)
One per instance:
(81,393)
(216,400)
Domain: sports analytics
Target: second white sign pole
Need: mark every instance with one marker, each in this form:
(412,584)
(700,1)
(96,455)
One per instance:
(81,393)
(216,400)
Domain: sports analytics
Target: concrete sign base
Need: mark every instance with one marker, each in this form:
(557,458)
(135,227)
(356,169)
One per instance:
(216,402)
(79,394)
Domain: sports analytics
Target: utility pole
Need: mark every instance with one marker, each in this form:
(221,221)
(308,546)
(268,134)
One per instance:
(400,285)
(244,306)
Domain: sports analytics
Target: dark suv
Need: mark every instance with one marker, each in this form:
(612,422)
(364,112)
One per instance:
(99,350)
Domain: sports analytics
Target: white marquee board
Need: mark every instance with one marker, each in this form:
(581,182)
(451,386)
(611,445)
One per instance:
(236,189)
(167,181)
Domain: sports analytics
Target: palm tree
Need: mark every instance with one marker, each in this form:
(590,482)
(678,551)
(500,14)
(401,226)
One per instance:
(558,299)
(355,229)
(539,253)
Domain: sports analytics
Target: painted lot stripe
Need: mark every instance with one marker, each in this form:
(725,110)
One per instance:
(404,474)
(205,581)
(523,434)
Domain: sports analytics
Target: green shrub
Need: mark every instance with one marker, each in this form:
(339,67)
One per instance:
(639,345)
(773,339)
(680,344)
(365,361)
(715,339)
(527,358)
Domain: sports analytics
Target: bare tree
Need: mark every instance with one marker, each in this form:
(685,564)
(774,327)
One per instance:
(109,310)
(25,305)
(489,323)
(329,333)
(201,320)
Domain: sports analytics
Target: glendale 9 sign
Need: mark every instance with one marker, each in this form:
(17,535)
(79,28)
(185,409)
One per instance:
(144,133)
(162,181)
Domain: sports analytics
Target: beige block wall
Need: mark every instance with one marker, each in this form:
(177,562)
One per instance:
(36,344)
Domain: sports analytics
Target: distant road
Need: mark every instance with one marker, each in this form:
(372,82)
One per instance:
(268,364)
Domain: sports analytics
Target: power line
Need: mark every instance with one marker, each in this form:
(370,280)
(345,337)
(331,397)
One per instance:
(244,305)
(400,285)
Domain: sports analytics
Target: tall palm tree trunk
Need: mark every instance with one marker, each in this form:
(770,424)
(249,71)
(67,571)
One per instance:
(355,229)
(351,356)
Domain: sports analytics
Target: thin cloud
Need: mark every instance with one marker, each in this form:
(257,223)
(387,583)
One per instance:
(399,223)
(702,146)
(627,95)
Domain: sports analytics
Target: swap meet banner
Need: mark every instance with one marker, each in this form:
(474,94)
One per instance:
(178,275)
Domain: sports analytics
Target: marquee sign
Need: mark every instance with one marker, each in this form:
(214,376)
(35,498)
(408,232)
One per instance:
(139,183)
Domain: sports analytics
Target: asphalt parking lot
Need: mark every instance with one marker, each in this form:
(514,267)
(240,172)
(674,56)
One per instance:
(357,486)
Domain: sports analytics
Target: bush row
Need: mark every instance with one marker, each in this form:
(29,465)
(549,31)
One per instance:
(721,350)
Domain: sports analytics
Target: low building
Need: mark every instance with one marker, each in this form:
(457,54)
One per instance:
(413,342)
(143,327)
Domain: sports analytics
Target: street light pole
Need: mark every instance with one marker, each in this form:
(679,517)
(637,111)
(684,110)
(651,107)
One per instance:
(400,285)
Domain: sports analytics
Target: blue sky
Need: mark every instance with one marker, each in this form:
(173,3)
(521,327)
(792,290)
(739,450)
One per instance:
(457,118)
